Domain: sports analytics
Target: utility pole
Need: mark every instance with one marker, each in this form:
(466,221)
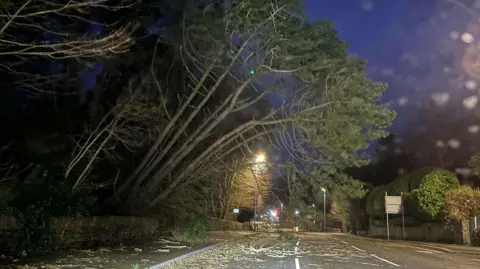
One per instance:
(255,210)
(324,210)
(281,213)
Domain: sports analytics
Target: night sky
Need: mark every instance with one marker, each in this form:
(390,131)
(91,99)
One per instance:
(407,43)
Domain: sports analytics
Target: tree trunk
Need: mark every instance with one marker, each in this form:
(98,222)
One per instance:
(465,232)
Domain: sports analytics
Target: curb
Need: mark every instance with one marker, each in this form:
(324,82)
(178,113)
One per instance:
(183,257)
(446,250)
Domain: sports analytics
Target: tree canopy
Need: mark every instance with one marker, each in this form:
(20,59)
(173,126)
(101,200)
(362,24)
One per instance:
(170,113)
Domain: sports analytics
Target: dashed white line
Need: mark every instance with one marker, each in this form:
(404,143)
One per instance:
(297,264)
(387,261)
(357,248)
(344,242)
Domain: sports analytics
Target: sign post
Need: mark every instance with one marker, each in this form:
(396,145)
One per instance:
(393,205)
(403,217)
(235,212)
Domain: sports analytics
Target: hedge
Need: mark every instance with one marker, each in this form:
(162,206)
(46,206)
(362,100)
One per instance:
(406,184)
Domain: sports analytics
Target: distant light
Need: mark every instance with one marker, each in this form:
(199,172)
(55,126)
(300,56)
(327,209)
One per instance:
(324,190)
(467,38)
(273,213)
(260,158)
(470,102)
(471,85)
(313,205)
(252,72)
(297,212)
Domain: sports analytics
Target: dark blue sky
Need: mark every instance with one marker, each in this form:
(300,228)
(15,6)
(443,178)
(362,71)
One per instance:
(381,31)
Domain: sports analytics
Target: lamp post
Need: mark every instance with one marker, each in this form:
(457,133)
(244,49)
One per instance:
(281,212)
(324,210)
(260,158)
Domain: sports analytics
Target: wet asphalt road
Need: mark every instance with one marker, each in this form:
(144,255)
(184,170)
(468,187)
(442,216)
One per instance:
(331,251)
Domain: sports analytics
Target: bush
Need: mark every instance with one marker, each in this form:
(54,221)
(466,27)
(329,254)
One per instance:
(408,181)
(37,199)
(223,225)
(462,203)
(420,200)
(430,195)
(376,202)
(192,229)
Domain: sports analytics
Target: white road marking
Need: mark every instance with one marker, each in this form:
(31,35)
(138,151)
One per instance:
(344,242)
(297,264)
(387,261)
(358,248)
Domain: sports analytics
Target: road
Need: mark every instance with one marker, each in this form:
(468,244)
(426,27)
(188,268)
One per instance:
(325,251)
(336,251)
(343,251)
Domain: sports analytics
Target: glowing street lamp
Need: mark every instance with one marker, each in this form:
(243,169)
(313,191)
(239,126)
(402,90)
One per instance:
(260,158)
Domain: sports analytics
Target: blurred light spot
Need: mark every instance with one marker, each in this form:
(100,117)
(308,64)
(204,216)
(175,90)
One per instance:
(397,151)
(454,35)
(473,129)
(439,144)
(471,85)
(388,72)
(463,171)
(367,5)
(467,38)
(454,143)
(397,140)
(446,69)
(401,171)
(440,98)
(383,148)
(402,101)
(470,102)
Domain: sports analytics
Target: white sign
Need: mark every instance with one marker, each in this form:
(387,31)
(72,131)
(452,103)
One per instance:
(393,204)
(236,210)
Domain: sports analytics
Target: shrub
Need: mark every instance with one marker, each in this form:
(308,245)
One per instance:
(376,201)
(430,195)
(192,229)
(462,203)
(423,189)
(37,199)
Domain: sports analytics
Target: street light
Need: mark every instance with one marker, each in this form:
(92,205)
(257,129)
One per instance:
(273,213)
(324,210)
(281,212)
(260,158)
